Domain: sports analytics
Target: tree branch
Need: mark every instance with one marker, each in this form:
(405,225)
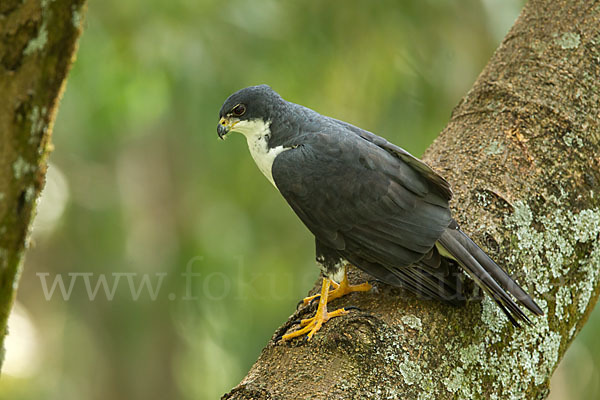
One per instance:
(38,41)
(521,151)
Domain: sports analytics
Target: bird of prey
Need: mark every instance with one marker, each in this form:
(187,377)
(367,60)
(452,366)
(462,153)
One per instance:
(368,202)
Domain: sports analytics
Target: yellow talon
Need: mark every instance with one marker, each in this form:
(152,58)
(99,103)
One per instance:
(309,299)
(342,289)
(311,325)
(306,321)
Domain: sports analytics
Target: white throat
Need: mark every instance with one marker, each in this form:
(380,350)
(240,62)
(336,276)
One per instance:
(257,133)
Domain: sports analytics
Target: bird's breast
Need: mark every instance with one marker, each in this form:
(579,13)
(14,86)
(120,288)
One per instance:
(263,155)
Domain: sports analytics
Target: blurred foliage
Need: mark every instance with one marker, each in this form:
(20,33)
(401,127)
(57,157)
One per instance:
(139,183)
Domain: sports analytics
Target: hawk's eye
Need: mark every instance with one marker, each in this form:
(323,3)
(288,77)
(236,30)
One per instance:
(239,110)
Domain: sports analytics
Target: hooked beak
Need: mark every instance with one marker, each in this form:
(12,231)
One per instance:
(224,127)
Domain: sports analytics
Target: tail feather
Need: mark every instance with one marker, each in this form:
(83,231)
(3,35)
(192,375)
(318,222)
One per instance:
(432,278)
(488,275)
(505,280)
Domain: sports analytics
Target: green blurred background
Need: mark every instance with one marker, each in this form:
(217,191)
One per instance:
(140,186)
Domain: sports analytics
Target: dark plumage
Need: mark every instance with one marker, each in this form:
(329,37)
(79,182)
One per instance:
(367,201)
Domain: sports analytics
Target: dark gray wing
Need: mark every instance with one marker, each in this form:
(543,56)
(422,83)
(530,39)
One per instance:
(439,183)
(361,199)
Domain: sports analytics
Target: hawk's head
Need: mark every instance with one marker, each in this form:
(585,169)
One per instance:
(248,109)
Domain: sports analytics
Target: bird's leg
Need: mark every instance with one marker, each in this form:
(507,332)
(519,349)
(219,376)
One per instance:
(309,299)
(345,287)
(342,289)
(312,325)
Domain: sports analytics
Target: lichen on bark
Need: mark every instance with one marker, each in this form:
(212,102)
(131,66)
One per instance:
(521,151)
(37,44)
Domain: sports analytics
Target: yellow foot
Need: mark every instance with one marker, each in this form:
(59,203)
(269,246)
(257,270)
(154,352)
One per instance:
(311,325)
(342,289)
(309,299)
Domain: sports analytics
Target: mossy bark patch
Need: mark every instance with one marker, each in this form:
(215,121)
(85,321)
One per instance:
(37,43)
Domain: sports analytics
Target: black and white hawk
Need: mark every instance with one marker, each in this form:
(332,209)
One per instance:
(368,203)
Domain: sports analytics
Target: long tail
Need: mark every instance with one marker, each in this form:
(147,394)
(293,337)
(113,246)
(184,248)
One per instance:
(487,274)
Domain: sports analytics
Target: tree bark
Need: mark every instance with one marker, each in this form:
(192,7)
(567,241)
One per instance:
(522,153)
(38,40)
